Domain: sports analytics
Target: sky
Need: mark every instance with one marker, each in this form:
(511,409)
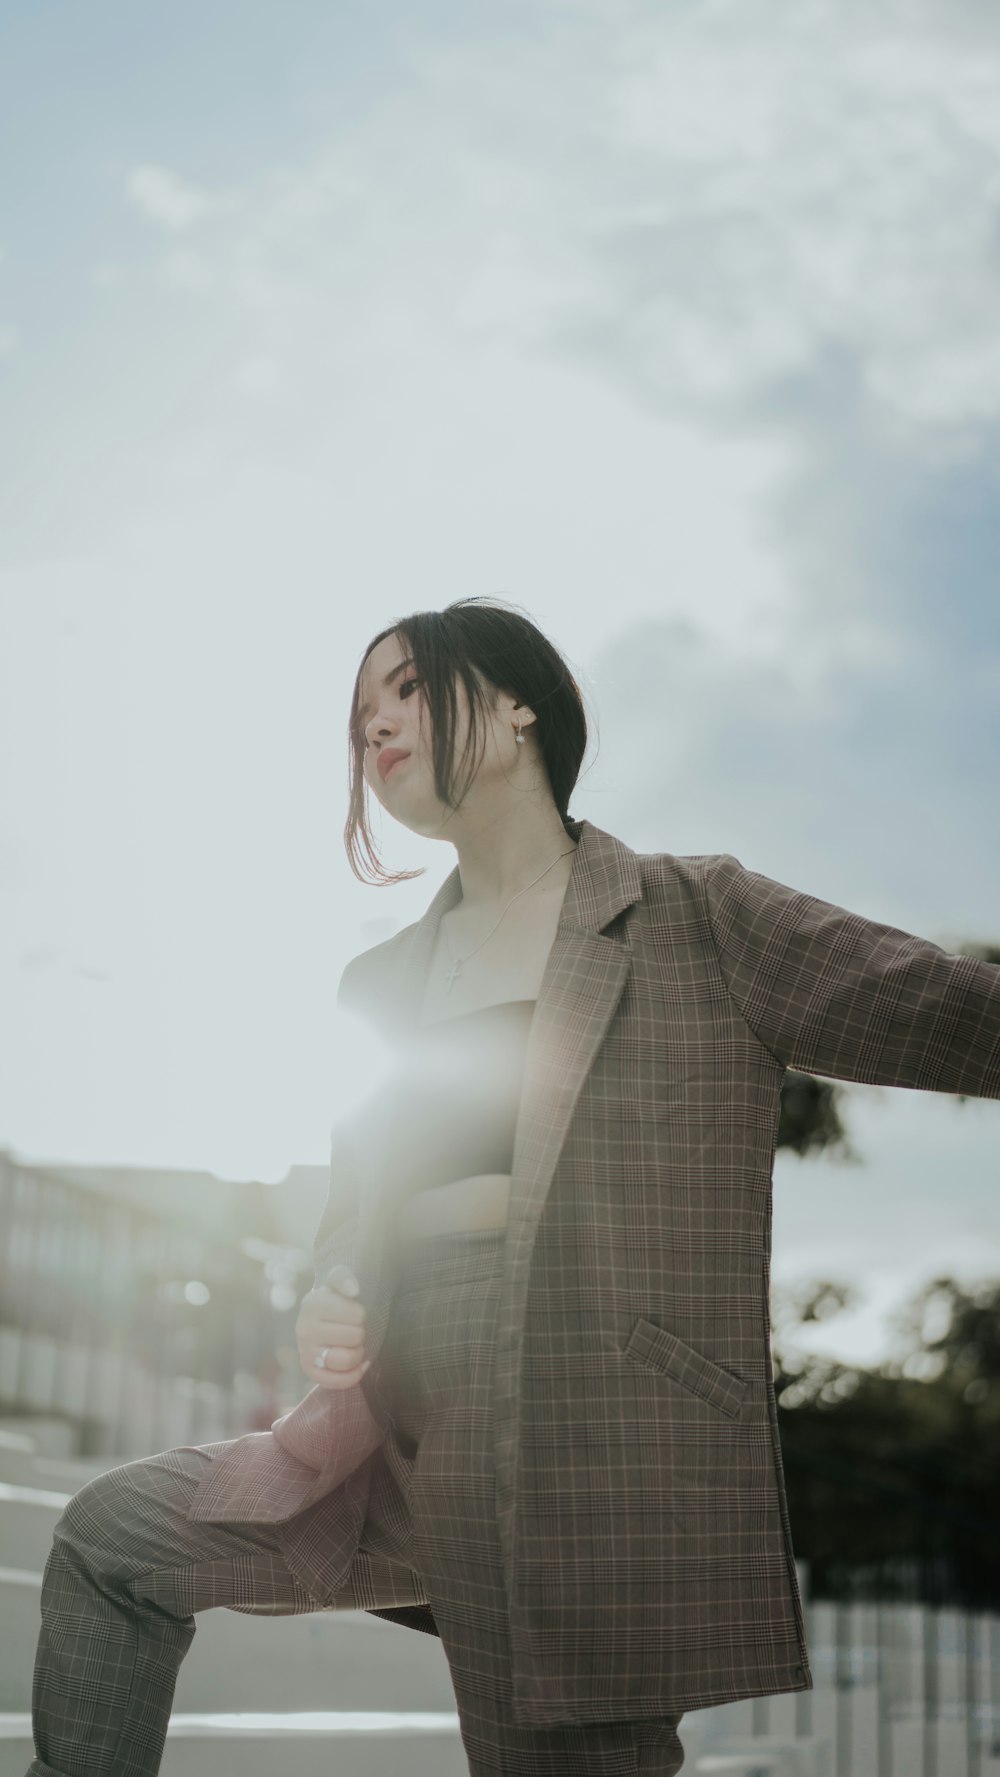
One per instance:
(671,322)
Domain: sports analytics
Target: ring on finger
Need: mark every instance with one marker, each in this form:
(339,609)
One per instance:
(324,1354)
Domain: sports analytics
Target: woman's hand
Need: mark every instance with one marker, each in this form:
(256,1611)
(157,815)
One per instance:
(330,1319)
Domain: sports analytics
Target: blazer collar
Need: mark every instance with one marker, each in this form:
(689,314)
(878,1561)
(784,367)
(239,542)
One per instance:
(605,878)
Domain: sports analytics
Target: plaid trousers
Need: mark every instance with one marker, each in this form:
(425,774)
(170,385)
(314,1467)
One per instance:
(127,1572)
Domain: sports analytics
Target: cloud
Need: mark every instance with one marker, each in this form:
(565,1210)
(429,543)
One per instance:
(165,198)
(793,182)
(259,377)
(722,197)
(762,227)
(186,270)
(674,325)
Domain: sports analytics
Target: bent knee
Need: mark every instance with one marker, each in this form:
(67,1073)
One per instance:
(112,1518)
(92,1519)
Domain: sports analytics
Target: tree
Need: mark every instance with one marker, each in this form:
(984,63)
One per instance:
(891,1470)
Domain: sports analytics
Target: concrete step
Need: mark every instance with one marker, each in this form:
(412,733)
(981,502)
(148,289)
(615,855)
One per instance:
(28,1516)
(67,1472)
(237,1661)
(19,1614)
(71,1472)
(21,1462)
(767,1755)
(48,1434)
(424,1744)
(324,1660)
(15,1440)
(27,1520)
(29,1509)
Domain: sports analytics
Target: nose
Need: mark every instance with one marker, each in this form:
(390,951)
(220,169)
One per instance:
(380,730)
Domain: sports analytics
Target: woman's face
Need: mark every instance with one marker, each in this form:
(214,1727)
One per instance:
(394,719)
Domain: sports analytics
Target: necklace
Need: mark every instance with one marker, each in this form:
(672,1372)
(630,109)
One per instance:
(457,962)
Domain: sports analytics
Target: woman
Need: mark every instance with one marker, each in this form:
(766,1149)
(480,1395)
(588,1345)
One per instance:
(548,1233)
(123,1580)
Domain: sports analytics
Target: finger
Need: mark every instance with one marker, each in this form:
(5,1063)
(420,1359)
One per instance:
(328,1332)
(339,1384)
(338,1308)
(343,1280)
(318,1334)
(325,1292)
(340,1378)
(336,1358)
(349,1339)
(350,1347)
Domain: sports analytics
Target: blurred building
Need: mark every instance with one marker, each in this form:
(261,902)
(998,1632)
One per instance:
(143,1308)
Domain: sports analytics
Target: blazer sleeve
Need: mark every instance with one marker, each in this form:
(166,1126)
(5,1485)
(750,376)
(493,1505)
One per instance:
(838,995)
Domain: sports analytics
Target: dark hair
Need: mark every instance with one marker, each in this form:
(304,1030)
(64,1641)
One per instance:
(492,647)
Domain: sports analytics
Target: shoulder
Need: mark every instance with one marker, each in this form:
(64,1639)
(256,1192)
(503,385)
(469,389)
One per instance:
(669,879)
(725,896)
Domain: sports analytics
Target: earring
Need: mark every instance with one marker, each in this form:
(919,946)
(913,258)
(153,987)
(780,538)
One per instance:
(519,737)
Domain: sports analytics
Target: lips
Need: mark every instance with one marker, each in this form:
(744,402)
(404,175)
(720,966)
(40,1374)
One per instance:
(387,760)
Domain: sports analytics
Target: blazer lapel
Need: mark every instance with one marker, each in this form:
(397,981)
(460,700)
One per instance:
(323,1442)
(580,990)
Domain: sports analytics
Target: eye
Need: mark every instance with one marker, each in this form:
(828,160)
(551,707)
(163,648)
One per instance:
(404,684)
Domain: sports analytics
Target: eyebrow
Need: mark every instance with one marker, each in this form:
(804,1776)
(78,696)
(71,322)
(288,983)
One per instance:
(387,681)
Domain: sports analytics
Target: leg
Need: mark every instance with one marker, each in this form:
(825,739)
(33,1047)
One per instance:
(468,1598)
(440,1344)
(124,1579)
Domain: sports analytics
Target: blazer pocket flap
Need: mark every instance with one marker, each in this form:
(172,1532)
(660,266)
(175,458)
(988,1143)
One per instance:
(653,1345)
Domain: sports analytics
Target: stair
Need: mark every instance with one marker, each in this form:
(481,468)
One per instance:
(352,1745)
(350,1692)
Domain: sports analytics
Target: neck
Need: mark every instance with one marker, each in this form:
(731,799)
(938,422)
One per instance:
(493,872)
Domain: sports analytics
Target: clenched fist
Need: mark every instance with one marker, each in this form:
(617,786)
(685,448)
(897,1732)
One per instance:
(330,1321)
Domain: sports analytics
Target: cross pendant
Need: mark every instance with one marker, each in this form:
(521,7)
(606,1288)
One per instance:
(454,971)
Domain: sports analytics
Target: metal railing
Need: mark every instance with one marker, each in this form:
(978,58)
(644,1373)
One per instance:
(901,1689)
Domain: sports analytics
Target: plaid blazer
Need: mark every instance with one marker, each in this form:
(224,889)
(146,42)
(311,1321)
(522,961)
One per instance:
(639,1484)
